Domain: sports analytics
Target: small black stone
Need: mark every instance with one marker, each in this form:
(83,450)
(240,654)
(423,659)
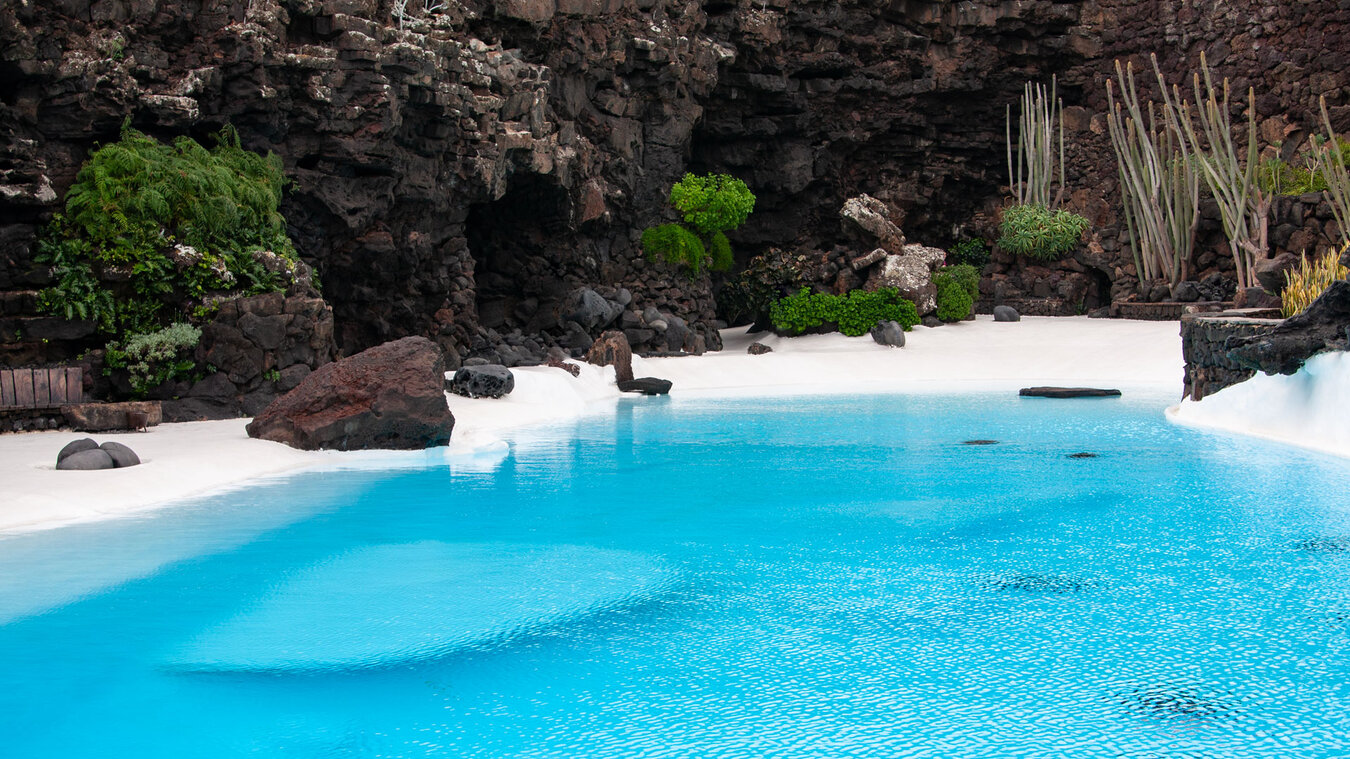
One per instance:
(979,442)
(1082,455)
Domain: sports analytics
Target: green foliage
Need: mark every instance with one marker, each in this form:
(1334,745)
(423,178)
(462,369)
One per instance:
(1276,176)
(712,203)
(167,223)
(719,248)
(855,313)
(674,244)
(965,275)
(954,299)
(748,296)
(153,358)
(1037,232)
(1305,284)
(972,251)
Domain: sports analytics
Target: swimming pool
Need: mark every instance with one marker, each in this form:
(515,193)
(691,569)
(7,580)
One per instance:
(818,577)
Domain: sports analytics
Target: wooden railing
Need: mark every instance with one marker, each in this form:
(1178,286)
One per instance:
(41,388)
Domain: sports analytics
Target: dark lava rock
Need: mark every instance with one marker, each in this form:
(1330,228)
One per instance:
(889,333)
(1270,272)
(1187,292)
(1082,455)
(1006,314)
(122,456)
(1068,392)
(489,381)
(390,396)
(979,442)
(75,446)
(591,310)
(758,349)
(646,386)
(932,321)
(612,348)
(92,459)
(1283,350)
(566,366)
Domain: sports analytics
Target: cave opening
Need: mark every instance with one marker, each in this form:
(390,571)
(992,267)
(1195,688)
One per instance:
(518,262)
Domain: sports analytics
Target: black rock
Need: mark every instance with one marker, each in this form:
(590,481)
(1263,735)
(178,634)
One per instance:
(1284,349)
(122,456)
(758,349)
(889,333)
(1006,314)
(75,446)
(1186,292)
(646,386)
(92,459)
(1068,392)
(488,381)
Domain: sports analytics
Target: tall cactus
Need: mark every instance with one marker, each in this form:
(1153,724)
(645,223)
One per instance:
(1329,160)
(1159,186)
(1243,204)
(1032,174)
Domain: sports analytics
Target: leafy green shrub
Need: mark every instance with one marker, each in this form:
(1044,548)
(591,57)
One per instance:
(953,301)
(153,358)
(674,244)
(1037,232)
(1276,176)
(972,251)
(148,226)
(855,313)
(711,205)
(965,274)
(748,295)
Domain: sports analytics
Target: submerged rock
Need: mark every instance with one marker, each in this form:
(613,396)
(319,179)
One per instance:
(1068,392)
(390,396)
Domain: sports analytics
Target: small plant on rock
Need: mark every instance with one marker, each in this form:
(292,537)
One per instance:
(1037,232)
(153,358)
(747,296)
(1304,284)
(710,206)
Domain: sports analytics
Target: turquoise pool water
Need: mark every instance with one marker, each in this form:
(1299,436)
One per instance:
(739,578)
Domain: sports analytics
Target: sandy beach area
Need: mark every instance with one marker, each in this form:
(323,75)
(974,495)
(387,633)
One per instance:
(188,460)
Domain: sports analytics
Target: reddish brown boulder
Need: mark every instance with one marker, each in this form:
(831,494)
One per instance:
(612,348)
(390,396)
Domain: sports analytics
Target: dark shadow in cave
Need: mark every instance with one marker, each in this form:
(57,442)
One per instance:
(517,270)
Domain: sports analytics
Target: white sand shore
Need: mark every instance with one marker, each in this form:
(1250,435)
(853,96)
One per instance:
(185,460)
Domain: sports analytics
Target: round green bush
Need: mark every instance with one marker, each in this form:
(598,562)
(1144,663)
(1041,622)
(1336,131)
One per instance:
(674,244)
(954,301)
(712,203)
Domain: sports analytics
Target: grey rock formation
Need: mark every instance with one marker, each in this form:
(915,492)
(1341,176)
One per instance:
(92,459)
(122,455)
(75,446)
(889,333)
(1006,314)
(488,381)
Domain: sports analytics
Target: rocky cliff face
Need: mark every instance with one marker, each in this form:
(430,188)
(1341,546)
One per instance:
(461,172)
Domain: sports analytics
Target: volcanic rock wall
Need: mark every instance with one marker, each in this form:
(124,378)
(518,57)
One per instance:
(461,173)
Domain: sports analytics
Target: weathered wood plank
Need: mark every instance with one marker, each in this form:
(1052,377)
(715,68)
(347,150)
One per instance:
(75,384)
(23,388)
(56,385)
(7,398)
(42,388)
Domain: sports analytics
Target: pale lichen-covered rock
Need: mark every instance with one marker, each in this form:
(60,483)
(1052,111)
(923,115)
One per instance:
(910,272)
(870,215)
